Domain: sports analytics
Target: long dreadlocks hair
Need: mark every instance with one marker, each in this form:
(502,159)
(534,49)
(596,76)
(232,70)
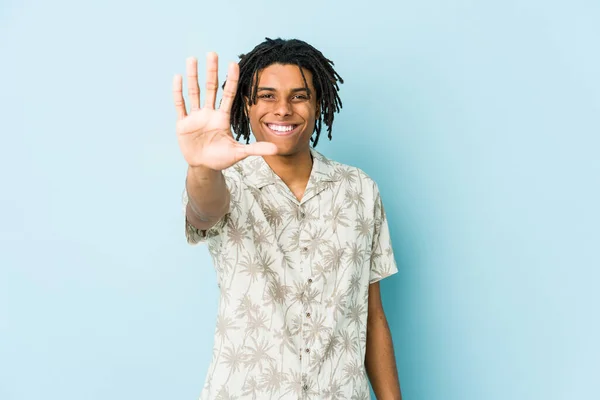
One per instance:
(294,52)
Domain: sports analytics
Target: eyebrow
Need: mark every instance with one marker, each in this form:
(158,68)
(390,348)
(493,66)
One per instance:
(295,90)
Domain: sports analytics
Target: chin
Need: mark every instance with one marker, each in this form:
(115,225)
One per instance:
(288,146)
(286,151)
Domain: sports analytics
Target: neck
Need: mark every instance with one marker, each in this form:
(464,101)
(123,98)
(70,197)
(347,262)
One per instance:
(294,170)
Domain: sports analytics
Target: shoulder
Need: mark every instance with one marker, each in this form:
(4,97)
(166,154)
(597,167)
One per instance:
(242,169)
(352,176)
(247,177)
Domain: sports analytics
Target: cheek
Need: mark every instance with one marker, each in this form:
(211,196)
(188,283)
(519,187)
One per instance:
(255,115)
(307,111)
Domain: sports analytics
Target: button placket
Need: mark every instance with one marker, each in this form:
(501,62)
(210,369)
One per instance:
(306,315)
(305,386)
(303,258)
(304,252)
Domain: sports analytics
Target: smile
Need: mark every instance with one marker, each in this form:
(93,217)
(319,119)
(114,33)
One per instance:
(282,130)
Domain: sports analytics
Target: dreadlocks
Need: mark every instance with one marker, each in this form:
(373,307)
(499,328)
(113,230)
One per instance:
(296,52)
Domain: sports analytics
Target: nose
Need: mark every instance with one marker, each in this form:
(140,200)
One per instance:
(283,108)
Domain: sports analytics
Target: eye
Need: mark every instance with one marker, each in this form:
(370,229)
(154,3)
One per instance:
(301,97)
(265,96)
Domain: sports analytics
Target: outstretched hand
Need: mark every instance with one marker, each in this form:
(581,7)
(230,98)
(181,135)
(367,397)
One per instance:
(204,134)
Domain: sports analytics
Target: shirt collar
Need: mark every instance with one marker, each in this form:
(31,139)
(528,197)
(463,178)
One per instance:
(258,173)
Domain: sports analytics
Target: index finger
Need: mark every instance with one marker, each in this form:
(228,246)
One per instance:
(233,76)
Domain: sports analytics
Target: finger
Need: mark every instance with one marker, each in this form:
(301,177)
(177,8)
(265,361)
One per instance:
(178,97)
(193,88)
(233,75)
(255,149)
(212,80)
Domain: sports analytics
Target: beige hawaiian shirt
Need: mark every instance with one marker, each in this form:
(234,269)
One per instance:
(294,279)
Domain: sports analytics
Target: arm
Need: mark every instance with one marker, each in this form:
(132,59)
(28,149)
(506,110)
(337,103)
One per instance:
(380,362)
(208,197)
(207,143)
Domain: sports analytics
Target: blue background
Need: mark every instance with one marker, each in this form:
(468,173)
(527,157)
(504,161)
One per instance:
(479,120)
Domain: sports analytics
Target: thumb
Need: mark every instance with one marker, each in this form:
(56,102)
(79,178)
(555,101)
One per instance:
(255,149)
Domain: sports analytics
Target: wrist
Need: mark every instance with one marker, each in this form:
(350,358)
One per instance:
(201,173)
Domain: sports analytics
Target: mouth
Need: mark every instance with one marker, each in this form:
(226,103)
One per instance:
(282,129)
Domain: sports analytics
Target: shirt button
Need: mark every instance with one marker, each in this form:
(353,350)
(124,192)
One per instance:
(305,387)
(309,280)
(302,215)
(304,249)
(307,350)
(307,315)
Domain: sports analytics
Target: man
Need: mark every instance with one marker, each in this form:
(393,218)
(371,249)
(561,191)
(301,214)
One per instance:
(299,241)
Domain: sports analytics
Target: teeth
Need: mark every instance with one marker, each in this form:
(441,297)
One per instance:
(281,128)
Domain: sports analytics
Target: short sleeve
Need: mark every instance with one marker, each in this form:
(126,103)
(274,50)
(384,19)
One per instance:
(194,235)
(383,263)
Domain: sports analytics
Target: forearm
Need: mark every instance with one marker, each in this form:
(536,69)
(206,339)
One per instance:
(208,196)
(380,361)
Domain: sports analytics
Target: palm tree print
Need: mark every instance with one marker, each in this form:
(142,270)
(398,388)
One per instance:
(334,391)
(294,278)
(317,327)
(272,379)
(337,217)
(276,294)
(258,354)
(224,325)
(233,358)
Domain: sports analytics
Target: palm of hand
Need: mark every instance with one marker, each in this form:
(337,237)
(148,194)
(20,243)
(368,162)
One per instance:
(204,136)
(210,144)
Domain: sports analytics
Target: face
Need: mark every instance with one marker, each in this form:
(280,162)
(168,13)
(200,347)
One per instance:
(285,111)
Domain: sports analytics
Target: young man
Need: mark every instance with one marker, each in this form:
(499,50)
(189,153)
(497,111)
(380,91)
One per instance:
(299,241)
